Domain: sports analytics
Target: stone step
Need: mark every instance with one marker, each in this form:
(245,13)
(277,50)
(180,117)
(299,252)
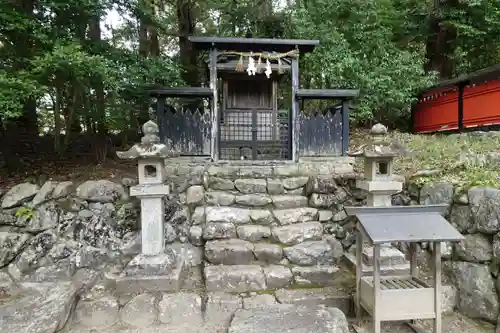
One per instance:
(287,235)
(289,319)
(242,185)
(385,270)
(306,167)
(296,185)
(186,312)
(230,252)
(230,198)
(389,256)
(328,296)
(324,275)
(254,277)
(313,251)
(297,233)
(235,278)
(101,309)
(236,216)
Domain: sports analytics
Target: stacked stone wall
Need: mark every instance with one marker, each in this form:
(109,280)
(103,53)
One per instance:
(267,227)
(241,229)
(470,266)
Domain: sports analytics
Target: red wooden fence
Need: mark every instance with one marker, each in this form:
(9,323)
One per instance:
(437,110)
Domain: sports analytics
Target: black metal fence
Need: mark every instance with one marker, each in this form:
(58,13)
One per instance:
(253,134)
(188,131)
(256,134)
(321,133)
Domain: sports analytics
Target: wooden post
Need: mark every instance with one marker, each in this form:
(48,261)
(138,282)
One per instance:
(345,126)
(437,286)
(412,117)
(460,103)
(295,110)
(254,134)
(413,265)
(359,274)
(413,259)
(376,288)
(214,147)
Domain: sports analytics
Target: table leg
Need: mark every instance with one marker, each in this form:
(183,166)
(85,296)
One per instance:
(413,265)
(413,260)
(359,273)
(376,288)
(437,286)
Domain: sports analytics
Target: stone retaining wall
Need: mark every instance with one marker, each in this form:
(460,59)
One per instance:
(48,233)
(248,228)
(471,266)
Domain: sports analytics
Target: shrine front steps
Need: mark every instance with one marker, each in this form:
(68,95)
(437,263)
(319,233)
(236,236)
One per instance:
(304,258)
(311,285)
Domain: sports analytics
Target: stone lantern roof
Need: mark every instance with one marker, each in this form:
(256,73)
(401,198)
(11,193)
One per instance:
(150,146)
(378,146)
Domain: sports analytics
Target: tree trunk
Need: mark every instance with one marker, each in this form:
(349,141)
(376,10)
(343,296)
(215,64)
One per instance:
(100,106)
(57,121)
(143,34)
(19,134)
(28,122)
(440,42)
(187,54)
(11,161)
(154,42)
(143,108)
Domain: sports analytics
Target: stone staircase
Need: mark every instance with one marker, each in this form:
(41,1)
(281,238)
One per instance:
(263,228)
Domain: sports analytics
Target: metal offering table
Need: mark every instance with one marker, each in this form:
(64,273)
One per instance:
(401,298)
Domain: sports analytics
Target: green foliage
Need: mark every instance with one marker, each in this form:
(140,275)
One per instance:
(359,50)
(56,53)
(68,62)
(26,213)
(477,23)
(13,91)
(457,159)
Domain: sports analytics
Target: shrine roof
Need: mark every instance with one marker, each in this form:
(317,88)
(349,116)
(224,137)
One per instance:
(252,44)
(405,224)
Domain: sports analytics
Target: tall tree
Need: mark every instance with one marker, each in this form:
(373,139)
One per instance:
(441,40)
(188,55)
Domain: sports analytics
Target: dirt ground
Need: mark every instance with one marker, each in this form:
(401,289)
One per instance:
(453,323)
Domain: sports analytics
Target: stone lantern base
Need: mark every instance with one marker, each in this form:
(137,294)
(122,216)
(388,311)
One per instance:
(160,273)
(143,265)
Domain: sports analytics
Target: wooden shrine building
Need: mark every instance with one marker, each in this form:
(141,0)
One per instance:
(249,119)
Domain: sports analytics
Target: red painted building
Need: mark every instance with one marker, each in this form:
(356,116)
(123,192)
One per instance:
(468,101)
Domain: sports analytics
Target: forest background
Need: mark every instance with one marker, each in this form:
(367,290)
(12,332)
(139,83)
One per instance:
(74,74)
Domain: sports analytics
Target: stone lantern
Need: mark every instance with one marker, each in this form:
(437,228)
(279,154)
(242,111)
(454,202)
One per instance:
(379,157)
(151,190)
(380,184)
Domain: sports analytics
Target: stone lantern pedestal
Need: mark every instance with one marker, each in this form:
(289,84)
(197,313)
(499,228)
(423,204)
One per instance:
(155,268)
(380,184)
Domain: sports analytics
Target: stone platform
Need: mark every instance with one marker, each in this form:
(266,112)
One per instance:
(88,303)
(190,312)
